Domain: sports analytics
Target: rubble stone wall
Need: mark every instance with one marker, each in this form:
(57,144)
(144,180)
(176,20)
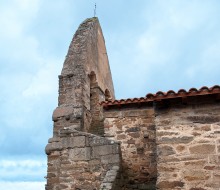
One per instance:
(166,144)
(78,160)
(188,146)
(135,129)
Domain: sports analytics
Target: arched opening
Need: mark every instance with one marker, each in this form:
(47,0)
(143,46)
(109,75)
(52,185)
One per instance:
(107,95)
(96,125)
(92,77)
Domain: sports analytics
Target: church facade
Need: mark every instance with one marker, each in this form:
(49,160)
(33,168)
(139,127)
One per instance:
(167,140)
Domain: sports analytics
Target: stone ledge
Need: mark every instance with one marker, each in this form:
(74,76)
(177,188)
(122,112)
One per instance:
(110,180)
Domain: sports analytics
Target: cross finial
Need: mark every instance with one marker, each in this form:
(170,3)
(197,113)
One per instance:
(95,10)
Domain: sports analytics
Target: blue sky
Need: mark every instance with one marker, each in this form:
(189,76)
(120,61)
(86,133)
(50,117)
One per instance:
(152,45)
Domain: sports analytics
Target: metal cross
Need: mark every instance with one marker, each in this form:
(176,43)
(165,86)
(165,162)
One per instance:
(95,10)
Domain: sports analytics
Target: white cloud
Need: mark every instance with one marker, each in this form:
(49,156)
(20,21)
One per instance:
(43,83)
(174,46)
(21,163)
(28,80)
(18,169)
(22,185)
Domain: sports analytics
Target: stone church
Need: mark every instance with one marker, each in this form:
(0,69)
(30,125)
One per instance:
(167,140)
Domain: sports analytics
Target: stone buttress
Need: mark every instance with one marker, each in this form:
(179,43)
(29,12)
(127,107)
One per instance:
(78,157)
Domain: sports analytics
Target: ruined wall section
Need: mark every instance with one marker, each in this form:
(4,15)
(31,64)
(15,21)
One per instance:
(78,160)
(86,55)
(135,129)
(188,145)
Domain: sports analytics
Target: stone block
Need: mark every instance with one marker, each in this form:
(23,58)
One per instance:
(181,148)
(196,175)
(148,186)
(55,146)
(66,111)
(110,159)
(106,186)
(62,111)
(166,133)
(133,129)
(76,141)
(112,114)
(54,139)
(134,135)
(110,176)
(98,151)
(116,149)
(121,137)
(138,113)
(213,185)
(80,154)
(214,159)
(97,141)
(170,184)
(165,150)
(131,141)
(216,176)
(195,164)
(209,167)
(204,119)
(218,147)
(202,149)
(175,140)
(203,128)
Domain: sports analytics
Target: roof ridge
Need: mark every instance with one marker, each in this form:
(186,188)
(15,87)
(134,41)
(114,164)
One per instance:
(204,90)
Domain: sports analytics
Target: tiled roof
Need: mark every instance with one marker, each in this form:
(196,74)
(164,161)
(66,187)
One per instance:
(165,95)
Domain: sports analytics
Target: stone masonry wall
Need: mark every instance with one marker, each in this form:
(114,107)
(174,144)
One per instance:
(81,161)
(188,146)
(76,159)
(166,144)
(135,129)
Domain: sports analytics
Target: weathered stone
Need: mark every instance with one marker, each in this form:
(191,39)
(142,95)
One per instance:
(80,153)
(166,133)
(55,146)
(71,142)
(147,186)
(202,149)
(132,129)
(195,175)
(216,176)
(204,119)
(134,135)
(209,167)
(97,141)
(98,151)
(165,150)
(175,140)
(110,159)
(140,150)
(203,128)
(121,137)
(62,111)
(195,164)
(180,148)
(131,141)
(169,184)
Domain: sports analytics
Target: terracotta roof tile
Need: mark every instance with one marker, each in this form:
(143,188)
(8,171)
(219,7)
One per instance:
(165,95)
